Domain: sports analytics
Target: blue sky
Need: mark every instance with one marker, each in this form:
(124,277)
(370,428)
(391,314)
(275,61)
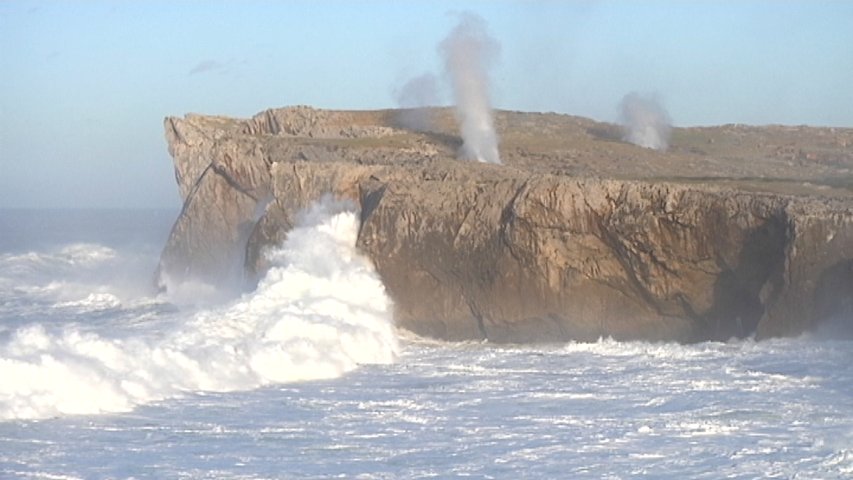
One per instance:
(84,86)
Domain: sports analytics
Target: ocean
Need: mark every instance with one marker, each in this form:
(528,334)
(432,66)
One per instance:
(104,376)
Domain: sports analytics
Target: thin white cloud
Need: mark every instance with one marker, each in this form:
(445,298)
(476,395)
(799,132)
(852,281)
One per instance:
(208,65)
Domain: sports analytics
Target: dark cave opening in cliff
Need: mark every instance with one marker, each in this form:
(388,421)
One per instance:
(741,292)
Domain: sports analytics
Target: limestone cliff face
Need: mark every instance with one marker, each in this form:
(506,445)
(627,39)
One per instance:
(222,181)
(555,245)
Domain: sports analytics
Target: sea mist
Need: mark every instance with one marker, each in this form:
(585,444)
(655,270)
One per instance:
(468,52)
(413,98)
(645,122)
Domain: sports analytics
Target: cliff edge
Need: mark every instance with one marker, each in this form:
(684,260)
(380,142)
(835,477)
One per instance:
(734,231)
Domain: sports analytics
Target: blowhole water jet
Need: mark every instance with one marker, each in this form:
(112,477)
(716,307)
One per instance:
(468,52)
(645,122)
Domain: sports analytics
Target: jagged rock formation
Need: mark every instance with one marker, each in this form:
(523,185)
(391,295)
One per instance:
(734,231)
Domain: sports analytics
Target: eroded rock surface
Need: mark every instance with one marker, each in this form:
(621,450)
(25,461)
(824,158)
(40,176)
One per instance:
(577,236)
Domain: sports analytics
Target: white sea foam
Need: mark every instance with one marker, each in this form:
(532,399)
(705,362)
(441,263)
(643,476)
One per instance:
(739,409)
(21,269)
(93,301)
(85,276)
(319,312)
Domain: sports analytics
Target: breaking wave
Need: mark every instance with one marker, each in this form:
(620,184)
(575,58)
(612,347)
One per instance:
(320,311)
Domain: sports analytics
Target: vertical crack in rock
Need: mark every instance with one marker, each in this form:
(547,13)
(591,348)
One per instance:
(621,255)
(833,300)
(478,316)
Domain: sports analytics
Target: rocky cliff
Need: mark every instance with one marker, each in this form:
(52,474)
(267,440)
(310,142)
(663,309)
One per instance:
(734,231)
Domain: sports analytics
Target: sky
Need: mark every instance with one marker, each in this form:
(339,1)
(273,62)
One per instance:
(85,85)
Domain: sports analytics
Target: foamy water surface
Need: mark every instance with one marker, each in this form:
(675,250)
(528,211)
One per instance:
(101,377)
(319,312)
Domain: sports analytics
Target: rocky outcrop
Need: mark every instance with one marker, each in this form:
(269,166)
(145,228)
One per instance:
(577,236)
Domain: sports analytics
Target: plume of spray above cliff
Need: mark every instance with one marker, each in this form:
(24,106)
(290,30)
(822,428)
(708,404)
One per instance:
(468,52)
(413,97)
(645,122)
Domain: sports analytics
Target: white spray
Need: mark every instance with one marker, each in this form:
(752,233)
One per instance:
(320,311)
(645,122)
(468,52)
(413,97)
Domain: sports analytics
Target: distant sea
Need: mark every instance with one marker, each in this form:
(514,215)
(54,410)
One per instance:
(104,376)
